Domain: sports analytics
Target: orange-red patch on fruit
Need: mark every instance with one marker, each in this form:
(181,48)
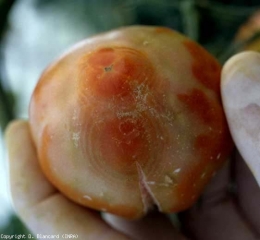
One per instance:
(216,137)
(198,103)
(211,150)
(207,146)
(193,182)
(214,146)
(204,67)
(124,142)
(111,72)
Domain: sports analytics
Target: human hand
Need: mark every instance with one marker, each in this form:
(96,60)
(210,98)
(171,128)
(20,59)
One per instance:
(228,209)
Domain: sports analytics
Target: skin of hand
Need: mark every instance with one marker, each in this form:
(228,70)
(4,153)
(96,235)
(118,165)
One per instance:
(227,210)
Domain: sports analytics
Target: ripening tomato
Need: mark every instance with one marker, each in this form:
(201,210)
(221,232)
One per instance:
(131,119)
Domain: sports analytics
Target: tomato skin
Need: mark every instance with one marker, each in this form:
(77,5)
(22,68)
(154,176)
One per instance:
(130,119)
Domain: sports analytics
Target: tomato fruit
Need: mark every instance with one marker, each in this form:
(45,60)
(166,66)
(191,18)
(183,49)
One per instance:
(131,119)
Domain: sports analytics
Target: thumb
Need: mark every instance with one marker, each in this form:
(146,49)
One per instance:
(240,89)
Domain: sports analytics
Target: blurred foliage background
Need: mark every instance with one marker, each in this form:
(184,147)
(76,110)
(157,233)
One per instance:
(34,32)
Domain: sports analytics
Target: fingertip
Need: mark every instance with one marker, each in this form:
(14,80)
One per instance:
(240,79)
(239,64)
(28,185)
(240,89)
(13,128)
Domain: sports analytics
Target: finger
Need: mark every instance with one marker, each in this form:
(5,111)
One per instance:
(154,226)
(216,217)
(28,184)
(240,89)
(248,194)
(42,208)
(218,188)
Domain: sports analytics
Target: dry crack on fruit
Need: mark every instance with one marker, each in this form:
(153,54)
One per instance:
(131,119)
